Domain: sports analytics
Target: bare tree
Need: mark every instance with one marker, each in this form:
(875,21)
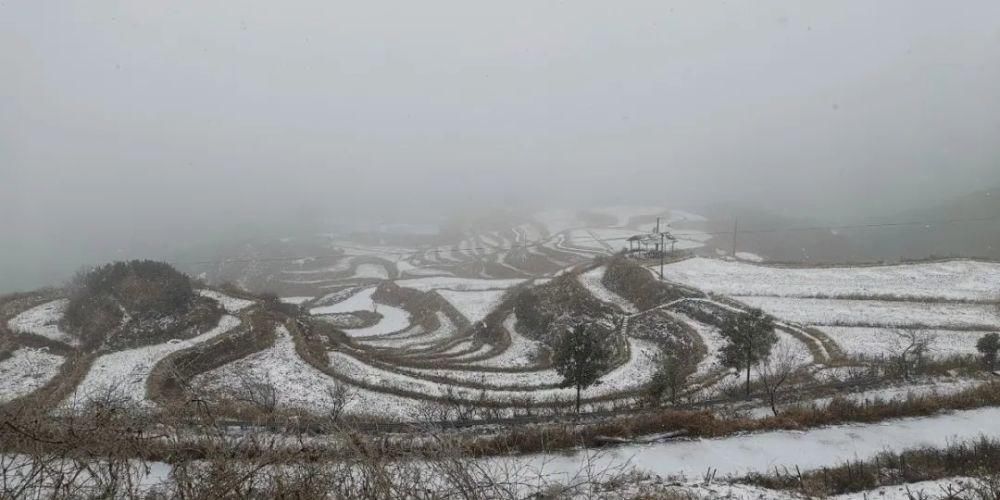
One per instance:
(258,391)
(340,395)
(777,371)
(910,347)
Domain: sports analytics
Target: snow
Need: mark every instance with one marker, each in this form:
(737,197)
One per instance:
(593,281)
(633,374)
(923,489)
(520,354)
(393,319)
(339,267)
(713,345)
(296,300)
(458,284)
(300,385)
(416,338)
(810,449)
(876,312)
(752,257)
(128,370)
(44,320)
(955,280)
(230,304)
(474,305)
(886,342)
(25,371)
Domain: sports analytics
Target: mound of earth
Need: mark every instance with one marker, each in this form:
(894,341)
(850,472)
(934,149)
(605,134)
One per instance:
(544,312)
(139,302)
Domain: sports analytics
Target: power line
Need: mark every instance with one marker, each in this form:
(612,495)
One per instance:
(492,250)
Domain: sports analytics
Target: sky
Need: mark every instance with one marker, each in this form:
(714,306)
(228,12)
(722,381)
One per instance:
(130,127)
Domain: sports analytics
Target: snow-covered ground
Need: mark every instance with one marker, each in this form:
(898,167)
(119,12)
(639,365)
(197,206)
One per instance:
(474,305)
(957,279)
(296,300)
(713,345)
(632,375)
(44,320)
(876,312)
(416,337)
(941,488)
(521,352)
(593,281)
(230,304)
(393,319)
(25,371)
(126,371)
(887,341)
(300,385)
(761,452)
(458,284)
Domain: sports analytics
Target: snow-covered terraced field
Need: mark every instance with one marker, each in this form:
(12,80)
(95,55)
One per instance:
(592,281)
(877,312)
(300,385)
(25,371)
(44,320)
(125,372)
(889,341)
(951,280)
(473,305)
(763,452)
(393,319)
(630,376)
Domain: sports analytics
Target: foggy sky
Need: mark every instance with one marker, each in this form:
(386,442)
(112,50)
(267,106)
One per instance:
(129,126)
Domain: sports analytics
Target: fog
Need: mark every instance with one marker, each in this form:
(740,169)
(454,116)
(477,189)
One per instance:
(135,128)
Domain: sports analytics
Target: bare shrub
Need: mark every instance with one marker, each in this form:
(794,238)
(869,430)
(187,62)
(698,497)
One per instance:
(258,391)
(776,372)
(341,395)
(909,348)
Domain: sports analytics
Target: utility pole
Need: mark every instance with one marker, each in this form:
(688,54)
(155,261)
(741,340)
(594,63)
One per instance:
(736,229)
(663,249)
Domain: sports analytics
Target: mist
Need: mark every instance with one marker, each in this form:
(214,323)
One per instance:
(140,128)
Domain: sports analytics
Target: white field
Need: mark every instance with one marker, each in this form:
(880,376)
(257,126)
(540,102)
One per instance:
(633,374)
(458,284)
(592,281)
(886,341)
(476,305)
(520,354)
(393,319)
(876,312)
(125,372)
(299,385)
(25,371)
(230,304)
(44,320)
(415,337)
(956,280)
(296,300)
(762,452)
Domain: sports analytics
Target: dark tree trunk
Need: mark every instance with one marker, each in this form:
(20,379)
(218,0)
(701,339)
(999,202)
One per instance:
(577,399)
(748,380)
